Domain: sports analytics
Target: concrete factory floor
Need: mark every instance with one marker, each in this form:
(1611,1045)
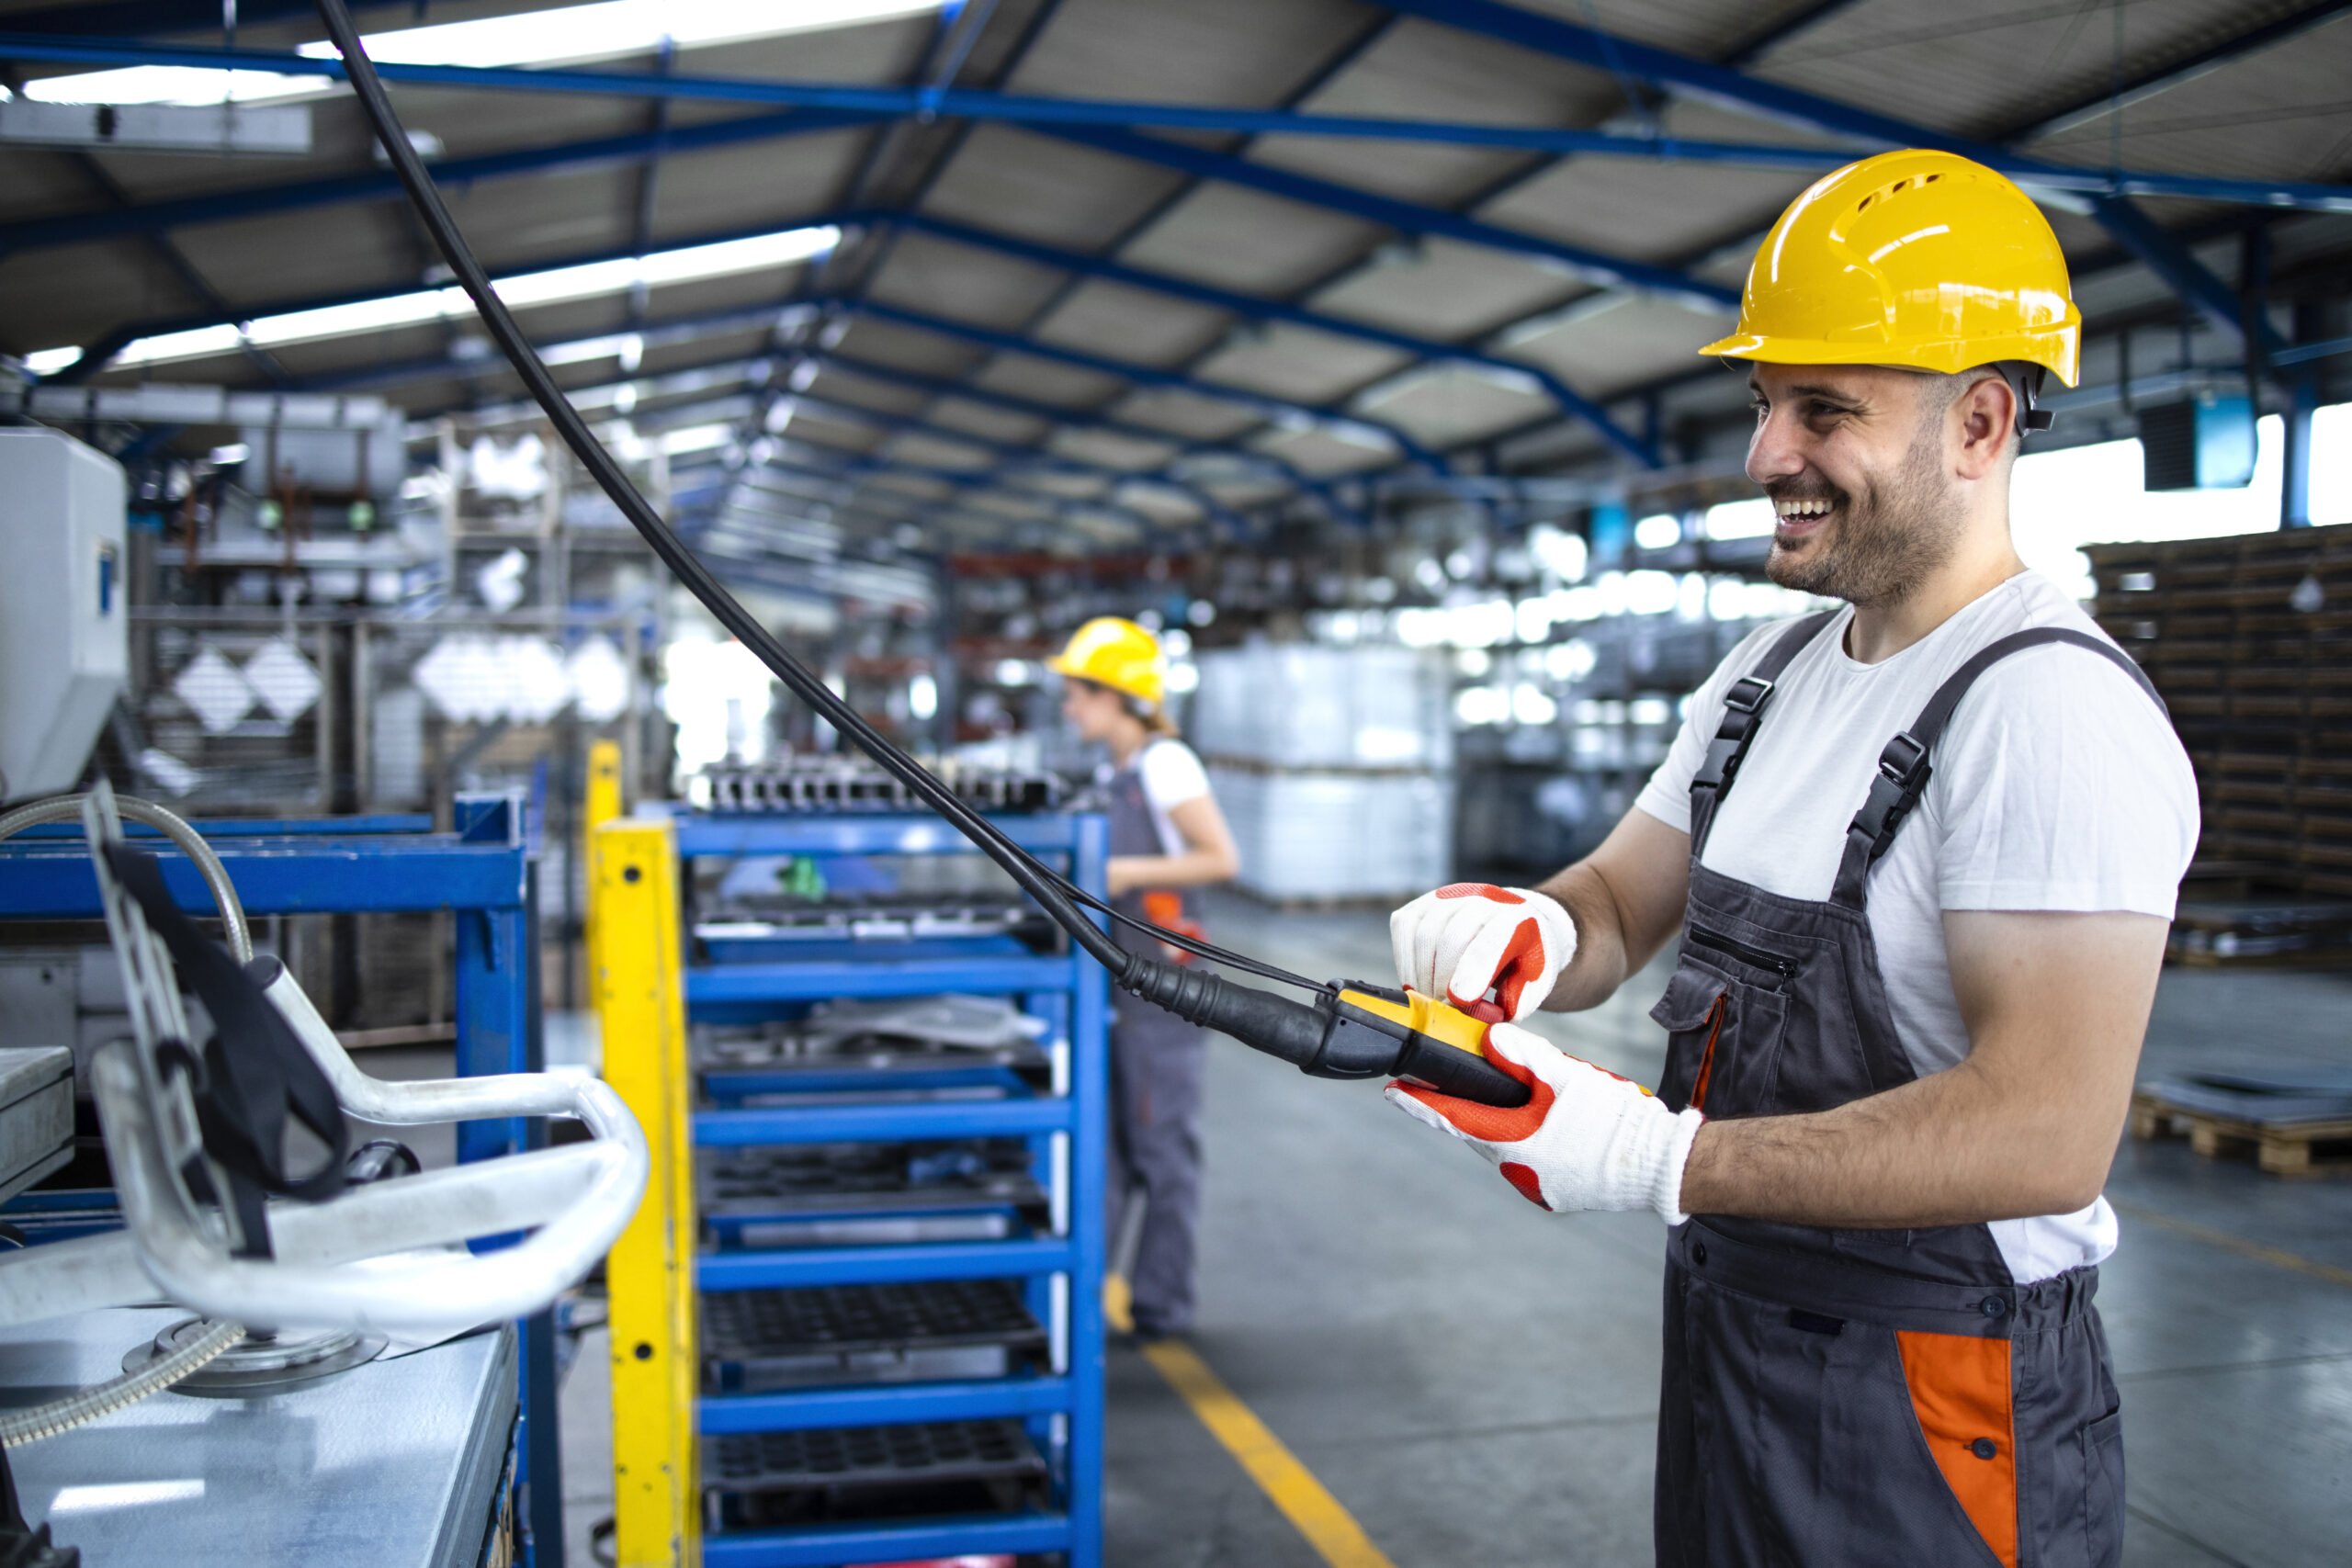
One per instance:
(1476,1382)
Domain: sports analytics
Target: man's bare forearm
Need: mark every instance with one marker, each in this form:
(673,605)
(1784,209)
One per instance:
(1626,899)
(1599,965)
(1950,1149)
(2056,1005)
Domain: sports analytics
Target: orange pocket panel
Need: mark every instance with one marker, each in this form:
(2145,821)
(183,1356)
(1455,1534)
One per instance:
(1707,1057)
(1960,1388)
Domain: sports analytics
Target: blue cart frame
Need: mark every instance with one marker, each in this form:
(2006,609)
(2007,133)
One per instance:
(1063,1409)
(484,871)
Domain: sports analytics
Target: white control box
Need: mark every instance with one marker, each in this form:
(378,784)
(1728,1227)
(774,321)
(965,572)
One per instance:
(64,644)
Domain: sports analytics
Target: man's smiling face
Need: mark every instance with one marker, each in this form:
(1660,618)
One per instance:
(1854,460)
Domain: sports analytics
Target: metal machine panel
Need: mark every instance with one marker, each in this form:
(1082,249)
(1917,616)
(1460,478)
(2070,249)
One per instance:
(396,1463)
(64,652)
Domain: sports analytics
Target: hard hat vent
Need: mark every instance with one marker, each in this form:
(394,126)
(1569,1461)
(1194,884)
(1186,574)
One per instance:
(1886,193)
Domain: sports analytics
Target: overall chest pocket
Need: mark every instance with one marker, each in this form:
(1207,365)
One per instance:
(1725,1013)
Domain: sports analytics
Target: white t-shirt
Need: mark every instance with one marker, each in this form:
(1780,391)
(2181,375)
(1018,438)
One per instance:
(1171,775)
(2057,786)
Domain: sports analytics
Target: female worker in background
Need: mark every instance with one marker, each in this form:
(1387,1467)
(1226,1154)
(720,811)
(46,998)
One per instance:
(1167,835)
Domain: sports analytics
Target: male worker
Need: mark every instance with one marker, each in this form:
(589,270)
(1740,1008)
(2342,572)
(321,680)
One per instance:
(1921,852)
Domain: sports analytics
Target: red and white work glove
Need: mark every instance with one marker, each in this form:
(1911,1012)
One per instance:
(1585,1139)
(1462,941)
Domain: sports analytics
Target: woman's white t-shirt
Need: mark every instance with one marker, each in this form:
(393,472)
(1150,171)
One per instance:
(1171,774)
(2059,784)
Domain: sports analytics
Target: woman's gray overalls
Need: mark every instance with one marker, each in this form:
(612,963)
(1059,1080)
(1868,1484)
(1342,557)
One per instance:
(1157,1061)
(1855,1396)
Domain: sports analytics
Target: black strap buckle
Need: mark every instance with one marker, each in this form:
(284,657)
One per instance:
(1748,694)
(1904,761)
(1902,772)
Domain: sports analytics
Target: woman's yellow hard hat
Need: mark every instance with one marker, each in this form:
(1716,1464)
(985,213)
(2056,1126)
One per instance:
(1119,654)
(1915,259)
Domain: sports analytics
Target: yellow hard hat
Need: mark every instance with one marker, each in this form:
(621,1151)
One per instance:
(1915,259)
(1119,654)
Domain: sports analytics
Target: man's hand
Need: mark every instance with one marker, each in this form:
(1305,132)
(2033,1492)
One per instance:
(1585,1139)
(1464,941)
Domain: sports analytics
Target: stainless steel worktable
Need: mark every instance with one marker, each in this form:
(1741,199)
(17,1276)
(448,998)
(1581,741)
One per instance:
(394,1464)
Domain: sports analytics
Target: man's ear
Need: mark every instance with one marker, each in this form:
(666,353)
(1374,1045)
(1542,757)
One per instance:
(1983,419)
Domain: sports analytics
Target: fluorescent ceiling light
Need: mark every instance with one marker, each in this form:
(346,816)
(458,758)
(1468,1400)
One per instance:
(697,438)
(50,361)
(525,290)
(567,35)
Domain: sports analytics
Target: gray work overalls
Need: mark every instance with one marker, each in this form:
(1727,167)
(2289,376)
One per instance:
(1157,1061)
(1855,1396)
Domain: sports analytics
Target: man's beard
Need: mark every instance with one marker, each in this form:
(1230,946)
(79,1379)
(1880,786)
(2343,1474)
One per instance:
(1881,545)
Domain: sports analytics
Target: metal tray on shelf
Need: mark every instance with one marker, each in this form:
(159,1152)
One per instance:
(886,1039)
(866,1194)
(768,1480)
(922,1331)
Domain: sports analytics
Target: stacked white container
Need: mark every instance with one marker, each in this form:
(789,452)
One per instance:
(1334,767)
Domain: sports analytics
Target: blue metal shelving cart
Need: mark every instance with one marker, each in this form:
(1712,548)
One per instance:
(1060,1264)
(483,872)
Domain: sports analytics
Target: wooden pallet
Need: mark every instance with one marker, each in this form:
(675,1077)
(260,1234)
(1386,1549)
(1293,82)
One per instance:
(2293,1151)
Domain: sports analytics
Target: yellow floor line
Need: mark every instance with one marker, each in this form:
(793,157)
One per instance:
(2276,1256)
(1290,1485)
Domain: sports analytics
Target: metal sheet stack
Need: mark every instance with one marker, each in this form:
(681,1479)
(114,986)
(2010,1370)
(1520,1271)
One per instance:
(1334,767)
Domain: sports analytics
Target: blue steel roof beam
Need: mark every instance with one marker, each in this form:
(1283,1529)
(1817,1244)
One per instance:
(1276,468)
(690,381)
(1279,410)
(2176,73)
(1588,46)
(853,268)
(983,479)
(124,18)
(1078,419)
(1405,217)
(649,179)
(856,470)
(1756,45)
(968,484)
(858,104)
(571,157)
(1253,307)
(1346,54)
(690,329)
(1012,456)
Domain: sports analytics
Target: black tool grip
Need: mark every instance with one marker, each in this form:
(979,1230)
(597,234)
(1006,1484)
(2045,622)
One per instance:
(1449,1069)
(1317,1038)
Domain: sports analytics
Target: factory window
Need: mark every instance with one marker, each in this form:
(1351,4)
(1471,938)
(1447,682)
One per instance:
(2062,500)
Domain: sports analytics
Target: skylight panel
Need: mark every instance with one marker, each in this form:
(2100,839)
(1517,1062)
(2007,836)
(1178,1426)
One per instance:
(685,264)
(568,35)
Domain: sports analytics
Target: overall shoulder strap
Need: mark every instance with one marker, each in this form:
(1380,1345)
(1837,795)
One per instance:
(1904,768)
(1743,710)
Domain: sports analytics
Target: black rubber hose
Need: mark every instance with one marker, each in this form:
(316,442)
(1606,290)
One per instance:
(1276,1025)
(1033,876)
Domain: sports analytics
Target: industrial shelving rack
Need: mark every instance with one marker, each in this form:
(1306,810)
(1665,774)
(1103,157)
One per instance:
(647,991)
(483,870)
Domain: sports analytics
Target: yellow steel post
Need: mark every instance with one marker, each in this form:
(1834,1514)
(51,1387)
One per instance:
(602,803)
(640,1002)
(603,784)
